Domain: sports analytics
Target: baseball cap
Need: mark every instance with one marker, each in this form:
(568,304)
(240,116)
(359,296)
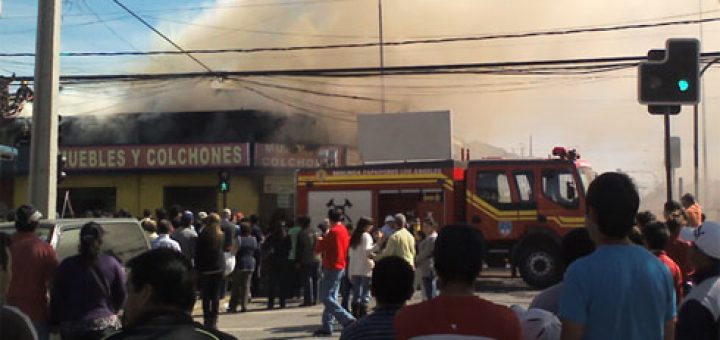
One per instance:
(27,214)
(389,219)
(538,324)
(707,238)
(202,215)
(227,212)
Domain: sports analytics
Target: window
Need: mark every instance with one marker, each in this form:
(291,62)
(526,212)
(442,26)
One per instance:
(559,186)
(68,243)
(493,187)
(524,182)
(124,240)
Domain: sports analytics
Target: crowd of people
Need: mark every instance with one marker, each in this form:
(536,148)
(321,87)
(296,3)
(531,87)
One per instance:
(629,275)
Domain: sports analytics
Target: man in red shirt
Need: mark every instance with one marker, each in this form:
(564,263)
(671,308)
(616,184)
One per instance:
(657,235)
(333,247)
(33,266)
(457,312)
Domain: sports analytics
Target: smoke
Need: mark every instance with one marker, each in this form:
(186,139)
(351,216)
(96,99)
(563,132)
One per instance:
(597,114)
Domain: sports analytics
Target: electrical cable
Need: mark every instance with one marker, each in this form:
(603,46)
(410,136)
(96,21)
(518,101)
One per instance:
(373,44)
(144,22)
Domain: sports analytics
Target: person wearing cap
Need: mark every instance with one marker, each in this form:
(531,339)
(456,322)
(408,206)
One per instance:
(88,291)
(388,228)
(699,314)
(185,235)
(538,324)
(401,243)
(33,264)
(621,290)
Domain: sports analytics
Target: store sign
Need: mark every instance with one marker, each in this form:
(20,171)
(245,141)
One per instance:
(157,156)
(295,156)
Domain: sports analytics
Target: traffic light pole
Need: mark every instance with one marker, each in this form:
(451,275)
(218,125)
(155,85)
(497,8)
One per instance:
(43,144)
(224,199)
(668,165)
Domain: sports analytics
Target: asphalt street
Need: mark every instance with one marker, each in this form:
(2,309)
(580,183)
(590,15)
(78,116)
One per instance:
(299,322)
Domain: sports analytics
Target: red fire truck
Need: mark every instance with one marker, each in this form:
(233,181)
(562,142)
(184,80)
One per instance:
(522,206)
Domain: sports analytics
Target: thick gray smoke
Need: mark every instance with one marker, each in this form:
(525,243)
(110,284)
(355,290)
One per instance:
(598,114)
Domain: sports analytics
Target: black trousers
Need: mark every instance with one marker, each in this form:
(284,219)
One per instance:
(210,289)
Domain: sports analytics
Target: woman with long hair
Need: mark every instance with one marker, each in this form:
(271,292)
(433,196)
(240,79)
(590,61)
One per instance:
(210,265)
(88,291)
(361,265)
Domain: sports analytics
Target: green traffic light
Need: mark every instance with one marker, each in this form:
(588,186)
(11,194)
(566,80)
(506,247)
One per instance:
(683,85)
(224,186)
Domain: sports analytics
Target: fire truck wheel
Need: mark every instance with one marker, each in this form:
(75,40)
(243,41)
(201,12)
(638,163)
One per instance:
(540,264)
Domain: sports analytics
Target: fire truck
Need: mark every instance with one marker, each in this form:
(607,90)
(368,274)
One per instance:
(523,207)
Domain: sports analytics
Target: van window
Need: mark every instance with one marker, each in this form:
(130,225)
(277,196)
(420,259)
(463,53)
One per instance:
(493,187)
(559,186)
(68,242)
(124,240)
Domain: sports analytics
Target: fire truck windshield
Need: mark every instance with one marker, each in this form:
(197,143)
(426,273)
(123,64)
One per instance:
(587,175)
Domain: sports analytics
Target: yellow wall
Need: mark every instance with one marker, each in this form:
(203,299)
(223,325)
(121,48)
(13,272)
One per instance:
(136,192)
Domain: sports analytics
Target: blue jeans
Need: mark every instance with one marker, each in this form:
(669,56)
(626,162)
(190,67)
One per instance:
(329,286)
(429,284)
(361,289)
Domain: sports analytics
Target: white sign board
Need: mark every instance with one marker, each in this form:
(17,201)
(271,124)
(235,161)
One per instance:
(405,136)
(355,203)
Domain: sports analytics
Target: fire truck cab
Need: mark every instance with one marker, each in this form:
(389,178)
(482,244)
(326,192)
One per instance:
(523,207)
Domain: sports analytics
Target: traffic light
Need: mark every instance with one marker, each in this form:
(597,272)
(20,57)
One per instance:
(61,162)
(674,79)
(224,181)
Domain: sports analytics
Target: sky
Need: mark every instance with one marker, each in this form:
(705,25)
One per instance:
(597,114)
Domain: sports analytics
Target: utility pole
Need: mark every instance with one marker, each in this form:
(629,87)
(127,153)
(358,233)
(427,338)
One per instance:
(44,136)
(382,56)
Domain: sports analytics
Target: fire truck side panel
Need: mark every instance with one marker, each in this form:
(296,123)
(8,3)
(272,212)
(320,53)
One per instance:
(423,190)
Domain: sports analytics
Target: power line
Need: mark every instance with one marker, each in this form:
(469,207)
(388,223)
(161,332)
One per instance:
(104,22)
(180,49)
(612,64)
(375,44)
(301,90)
(280,101)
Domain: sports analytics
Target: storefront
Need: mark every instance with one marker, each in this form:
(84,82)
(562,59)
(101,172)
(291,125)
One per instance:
(147,161)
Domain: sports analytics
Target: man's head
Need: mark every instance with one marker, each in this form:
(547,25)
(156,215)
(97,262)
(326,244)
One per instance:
(164,227)
(644,217)
(429,226)
(225,214)
(335,215)
(656,235)
(303,222)
(27,218)
(389,220)
(458,254)
(705,252)
(612,203)
(575,245)
(159,280)
(392,283)
(187,218)
(687,200)
(400,221)
(671,208)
